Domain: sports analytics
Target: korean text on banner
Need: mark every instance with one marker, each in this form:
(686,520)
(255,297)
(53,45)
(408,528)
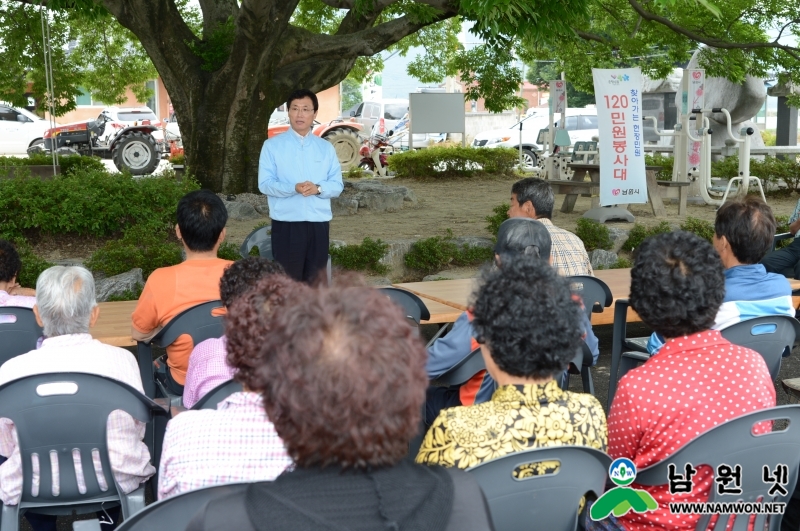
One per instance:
(558,92)
(618,94)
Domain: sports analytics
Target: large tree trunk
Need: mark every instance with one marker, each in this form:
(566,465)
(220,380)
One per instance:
(223,110)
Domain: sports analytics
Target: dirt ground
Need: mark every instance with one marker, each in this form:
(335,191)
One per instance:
(462,207)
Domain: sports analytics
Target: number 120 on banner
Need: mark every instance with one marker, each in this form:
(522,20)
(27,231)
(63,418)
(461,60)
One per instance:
(618,94)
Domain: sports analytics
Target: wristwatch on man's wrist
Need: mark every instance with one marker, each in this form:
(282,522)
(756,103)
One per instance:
(319,189)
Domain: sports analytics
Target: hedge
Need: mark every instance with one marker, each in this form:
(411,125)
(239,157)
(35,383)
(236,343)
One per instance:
(437,161)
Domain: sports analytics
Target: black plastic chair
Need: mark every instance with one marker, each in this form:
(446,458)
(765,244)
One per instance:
(596,296)
(197,321)
(262,238)
(549,501)
(733,443)
(464,370)
(20,336)
(413,306)
(217,395)
(176,512)
(61,413)
(579,362)
(622,359)
(772,336)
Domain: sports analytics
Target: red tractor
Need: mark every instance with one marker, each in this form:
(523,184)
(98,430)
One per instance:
(343,135)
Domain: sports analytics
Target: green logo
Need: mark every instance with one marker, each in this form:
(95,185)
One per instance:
(622,499)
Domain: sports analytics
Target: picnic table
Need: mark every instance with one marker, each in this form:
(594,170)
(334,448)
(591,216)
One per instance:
(113,327)
(457,293)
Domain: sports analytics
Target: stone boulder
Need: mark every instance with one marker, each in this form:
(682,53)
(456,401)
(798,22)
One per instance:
(395,255)
(601,259)
(474,241)
(239,211)
(618,237)
(376,196)
(118,284)
(344,206)
(263,209)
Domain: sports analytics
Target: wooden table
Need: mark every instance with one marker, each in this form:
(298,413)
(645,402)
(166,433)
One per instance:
(113,327)
(456,293)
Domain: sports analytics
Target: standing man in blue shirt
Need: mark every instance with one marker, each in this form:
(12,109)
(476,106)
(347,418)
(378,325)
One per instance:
(300,172)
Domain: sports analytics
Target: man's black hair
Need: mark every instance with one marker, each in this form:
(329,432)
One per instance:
(525,313)
(538,192)
(299,94)
(10,264)
(201,218)
(677,284)
(749,226)
(243,274)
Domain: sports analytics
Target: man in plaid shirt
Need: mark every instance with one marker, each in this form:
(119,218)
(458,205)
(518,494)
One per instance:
(782,260)
(533,198)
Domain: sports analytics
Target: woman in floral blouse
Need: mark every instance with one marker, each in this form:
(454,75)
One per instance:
(529,328)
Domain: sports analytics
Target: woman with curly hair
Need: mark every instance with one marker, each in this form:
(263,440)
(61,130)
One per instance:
(11,293)
(528,326)
(342,375)
(235,442)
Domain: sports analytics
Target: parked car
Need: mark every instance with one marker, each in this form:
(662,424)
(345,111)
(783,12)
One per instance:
(369,112)
(121,117)
(580,123)
(19,130)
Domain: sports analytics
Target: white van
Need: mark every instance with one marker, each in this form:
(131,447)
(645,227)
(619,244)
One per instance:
(369,112)
(581,125)
(19,130)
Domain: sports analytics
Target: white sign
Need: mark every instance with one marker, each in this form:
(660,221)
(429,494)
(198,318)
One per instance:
(694,98)
(618,94)
(558,95)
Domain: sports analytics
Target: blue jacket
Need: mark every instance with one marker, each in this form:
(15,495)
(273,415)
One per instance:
(288,159)
(749,292)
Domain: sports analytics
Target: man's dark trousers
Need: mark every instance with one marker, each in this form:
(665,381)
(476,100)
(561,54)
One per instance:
(301,247)
(784,259)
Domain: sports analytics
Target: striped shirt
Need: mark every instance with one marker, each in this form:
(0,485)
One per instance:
(568,253)
(208,368)
(232,444)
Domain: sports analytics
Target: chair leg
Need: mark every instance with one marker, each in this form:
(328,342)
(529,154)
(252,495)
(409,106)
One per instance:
(10,518)
(586,377)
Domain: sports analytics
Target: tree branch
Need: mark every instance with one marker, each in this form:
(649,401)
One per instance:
(591,37)
(710,41)
(340,4)
(216,12)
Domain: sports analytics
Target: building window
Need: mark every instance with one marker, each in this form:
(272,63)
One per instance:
(153,101)
(84,99)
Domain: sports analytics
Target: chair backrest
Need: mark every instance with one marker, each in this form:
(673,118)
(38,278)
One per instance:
(770,336)
(413,306)
(465,369)
(60,414)
(197,321)
(579,146)
(218,394)
(176,512)
(617,345)
(261,238)
(733,443)
(19,336)
(780,237)
(519,500)
(595,293)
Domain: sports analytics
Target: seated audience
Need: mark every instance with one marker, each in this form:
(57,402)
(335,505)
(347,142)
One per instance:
(208,367)
(11,293)
(170,290)
(235,442)
(743,233)
(677,287)
(516,236)
(529,328)
(783,260)
(66,308)
(342,374)
(533,198)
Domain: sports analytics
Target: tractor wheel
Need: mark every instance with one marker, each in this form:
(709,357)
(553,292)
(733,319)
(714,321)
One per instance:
(137,153)
(346,144)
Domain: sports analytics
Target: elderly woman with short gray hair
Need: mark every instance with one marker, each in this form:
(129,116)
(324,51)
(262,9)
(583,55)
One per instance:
(66,308)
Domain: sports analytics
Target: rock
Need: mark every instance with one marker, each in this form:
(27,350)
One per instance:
(262,209)
(344,206)
(69,262)
(378,281)
(382,199)
(395,255)
(337,243)
(118,284)
(241,211)
(408,195)
(454,274)
(618,237)
(474,241)
(601,259)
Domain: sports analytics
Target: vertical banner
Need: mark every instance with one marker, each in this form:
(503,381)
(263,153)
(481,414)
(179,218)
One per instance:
(618,94)
(694,98)
(558,93)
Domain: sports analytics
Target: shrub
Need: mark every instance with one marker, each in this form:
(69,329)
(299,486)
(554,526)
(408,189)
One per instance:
(178,159)
(68,163)
(88,202)
(495,220)
(365,256)
(127,295)
(622,263)
(593,234)
(458,161)
(146,245)
(354,173)
(783,226)
(727,168)
(639,232)
(666,163)
(435,253)
(32,265)
(228,251)
(704,229)
(770,138)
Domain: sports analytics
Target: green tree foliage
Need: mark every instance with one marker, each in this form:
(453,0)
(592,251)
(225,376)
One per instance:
(540,73)
(351,93)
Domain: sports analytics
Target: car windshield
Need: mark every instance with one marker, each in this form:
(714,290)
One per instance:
(394,111)
(136,116)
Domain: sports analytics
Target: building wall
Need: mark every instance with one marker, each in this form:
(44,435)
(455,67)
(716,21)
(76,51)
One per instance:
(329,104)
